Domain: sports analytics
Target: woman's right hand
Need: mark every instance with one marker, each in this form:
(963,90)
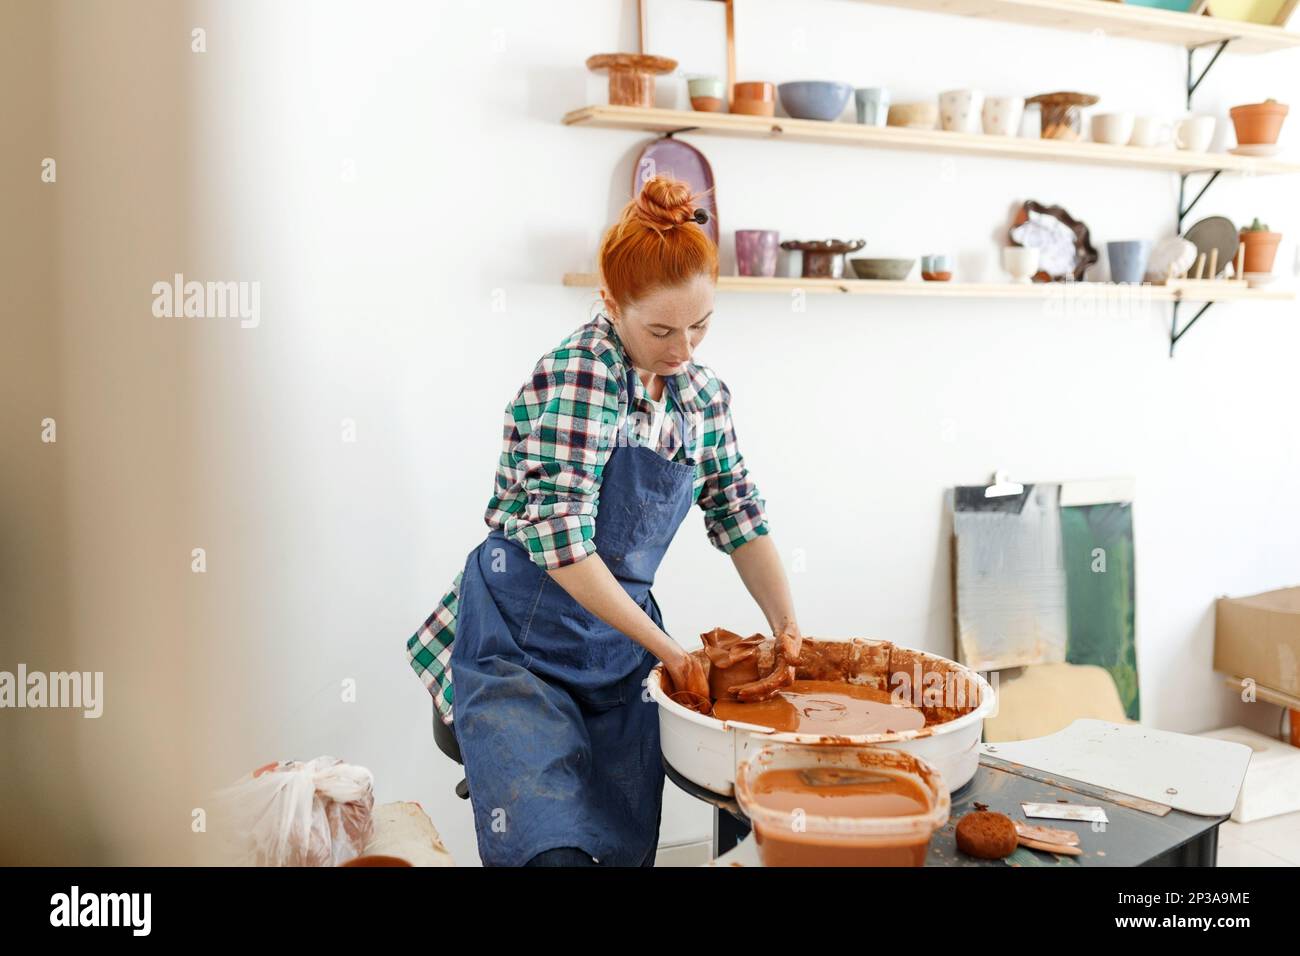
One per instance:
(785,657)
(687,674)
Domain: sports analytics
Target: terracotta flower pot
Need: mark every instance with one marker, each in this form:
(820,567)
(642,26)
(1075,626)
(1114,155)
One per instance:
(1261,248)
(1258,124)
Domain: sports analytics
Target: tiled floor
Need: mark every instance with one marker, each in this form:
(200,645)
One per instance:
(1271,842)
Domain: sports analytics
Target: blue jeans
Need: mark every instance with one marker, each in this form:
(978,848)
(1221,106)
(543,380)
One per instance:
(572,856)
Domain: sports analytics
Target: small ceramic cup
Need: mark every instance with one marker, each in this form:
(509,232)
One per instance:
(756,252)
(708,93)
(1002,115)
(959,110)
(1149,131)
(1128,259)
(936,268)
(922,115)
(1195,133)
(873,105)
(1021,262)
(1113,128)
(754,99)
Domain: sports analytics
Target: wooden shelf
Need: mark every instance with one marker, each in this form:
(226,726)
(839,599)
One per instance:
(930,140)
(1116,19)
(971,290)
(1266,694)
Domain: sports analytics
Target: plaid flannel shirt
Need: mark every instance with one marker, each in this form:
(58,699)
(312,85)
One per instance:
(559,432)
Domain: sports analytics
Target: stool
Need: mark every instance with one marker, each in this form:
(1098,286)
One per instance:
(445,738)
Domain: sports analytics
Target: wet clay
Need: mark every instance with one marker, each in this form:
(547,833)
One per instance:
(876,795)
(733,660)
(939,688)
(825,707)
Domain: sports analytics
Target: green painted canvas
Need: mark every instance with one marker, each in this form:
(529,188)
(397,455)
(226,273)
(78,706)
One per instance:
(1097,549)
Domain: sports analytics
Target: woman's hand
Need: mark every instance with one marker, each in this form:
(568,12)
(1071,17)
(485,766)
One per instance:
(687,674)
(792,639)
(785,656)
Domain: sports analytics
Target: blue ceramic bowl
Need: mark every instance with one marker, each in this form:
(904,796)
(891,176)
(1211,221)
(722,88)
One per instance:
(815,99)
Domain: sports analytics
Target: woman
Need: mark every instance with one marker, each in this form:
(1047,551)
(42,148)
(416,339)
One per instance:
(550,630)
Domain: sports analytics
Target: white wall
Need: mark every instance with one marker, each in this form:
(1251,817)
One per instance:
(389,171)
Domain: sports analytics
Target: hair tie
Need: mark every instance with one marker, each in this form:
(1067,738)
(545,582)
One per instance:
(701,216)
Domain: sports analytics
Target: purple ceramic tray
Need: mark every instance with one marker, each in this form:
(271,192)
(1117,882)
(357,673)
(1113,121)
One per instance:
(681,161)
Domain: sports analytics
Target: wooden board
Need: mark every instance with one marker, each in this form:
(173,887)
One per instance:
(1053,291)
(1115,19)
(1192,774)
(656,120)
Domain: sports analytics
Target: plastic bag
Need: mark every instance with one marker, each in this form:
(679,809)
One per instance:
(293,813)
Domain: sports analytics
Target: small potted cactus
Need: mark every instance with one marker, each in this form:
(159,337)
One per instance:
(1261,247)
(1258,124)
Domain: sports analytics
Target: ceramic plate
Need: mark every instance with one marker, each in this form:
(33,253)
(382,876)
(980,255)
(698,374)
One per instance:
(1254,279)
(1175,255)
(1216,232)
(1258,149)
(685,162)
(1064,245)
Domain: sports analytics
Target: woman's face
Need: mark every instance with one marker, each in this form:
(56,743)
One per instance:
(661,330)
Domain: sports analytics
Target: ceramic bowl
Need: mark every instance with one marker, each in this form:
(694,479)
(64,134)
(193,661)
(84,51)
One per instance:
(882,268)
(815,99)
(915,115)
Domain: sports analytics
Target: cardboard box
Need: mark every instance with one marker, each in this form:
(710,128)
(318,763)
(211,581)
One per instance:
(1258,637)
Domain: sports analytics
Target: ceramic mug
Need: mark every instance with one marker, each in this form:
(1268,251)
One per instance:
(873,105)
(1021,262)
(959,110)
(1113,128)
(1149,131)
(1002,115)
(1128,259)
(1195,133)
(754,99)
(936,268)
(756,252)
(708,93)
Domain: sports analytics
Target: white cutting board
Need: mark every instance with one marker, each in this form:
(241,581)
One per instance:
(1206,775)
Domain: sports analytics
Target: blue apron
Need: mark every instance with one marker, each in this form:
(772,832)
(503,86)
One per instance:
(559,739)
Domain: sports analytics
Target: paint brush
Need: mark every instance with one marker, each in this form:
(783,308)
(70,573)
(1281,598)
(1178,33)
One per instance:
(837,777)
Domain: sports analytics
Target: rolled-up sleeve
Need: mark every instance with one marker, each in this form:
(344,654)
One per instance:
(562,420)
(734,513)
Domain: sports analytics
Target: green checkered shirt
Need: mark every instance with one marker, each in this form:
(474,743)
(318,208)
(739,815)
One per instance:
(559,432)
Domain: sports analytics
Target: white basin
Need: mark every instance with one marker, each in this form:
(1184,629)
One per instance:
(706,750)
